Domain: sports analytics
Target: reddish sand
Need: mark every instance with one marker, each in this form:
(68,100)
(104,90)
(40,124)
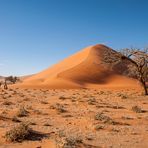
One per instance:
(62,114)
(81,70)
(110,108)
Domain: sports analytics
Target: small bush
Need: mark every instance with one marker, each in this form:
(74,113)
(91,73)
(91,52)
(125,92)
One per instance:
(105,119)
(92,101)
(137,109)
(101,117)
(99,127)
(59,107)
(22,112)
(19,133)
(15,119)
(122,96)
(72,142)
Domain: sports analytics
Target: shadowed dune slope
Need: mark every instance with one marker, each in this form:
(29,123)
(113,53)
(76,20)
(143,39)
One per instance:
(83,69)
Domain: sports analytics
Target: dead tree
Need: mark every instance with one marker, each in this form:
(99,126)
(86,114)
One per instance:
(11,79)
(139,66)
(136,60)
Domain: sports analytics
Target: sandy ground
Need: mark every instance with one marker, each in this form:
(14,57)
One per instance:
(76,118)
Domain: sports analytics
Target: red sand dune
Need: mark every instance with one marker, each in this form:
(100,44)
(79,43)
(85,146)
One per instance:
(82,70)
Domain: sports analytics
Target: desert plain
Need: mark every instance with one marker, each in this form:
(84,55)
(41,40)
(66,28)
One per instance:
(81,102)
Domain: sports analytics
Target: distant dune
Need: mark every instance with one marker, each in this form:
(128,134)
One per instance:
(84,69)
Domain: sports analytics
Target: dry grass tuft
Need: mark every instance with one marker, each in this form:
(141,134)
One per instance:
(137,109)
(19,133)
(22,112)
(72,142)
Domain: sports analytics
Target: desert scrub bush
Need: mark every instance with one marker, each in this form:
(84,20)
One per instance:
(122,96)
(101,117)
(91,101)
(99,127)
(15,119)
(61,133)
(18,133)
(72,141)
(105,119)
(59,107)
(22,112)
(137,109)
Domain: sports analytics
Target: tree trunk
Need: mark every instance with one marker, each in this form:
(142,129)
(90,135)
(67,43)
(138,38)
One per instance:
(145,87)
(5,85)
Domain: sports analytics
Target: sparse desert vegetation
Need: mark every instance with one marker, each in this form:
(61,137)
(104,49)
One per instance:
(18,133)
(95,119)
(82,111)
(73,73)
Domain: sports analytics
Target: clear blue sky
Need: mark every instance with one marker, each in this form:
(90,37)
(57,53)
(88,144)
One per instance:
(35,34)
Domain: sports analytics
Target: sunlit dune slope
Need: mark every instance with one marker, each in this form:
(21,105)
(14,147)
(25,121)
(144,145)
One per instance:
(83,69)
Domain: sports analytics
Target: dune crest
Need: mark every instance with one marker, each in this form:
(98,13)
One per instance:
(83,69)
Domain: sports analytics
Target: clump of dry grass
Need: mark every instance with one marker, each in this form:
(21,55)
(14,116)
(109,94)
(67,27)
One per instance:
(15,119)
(122,96)
(101,117)
(137,109)
(106,119)
(59,107)
(72,141)
(92,101)
(99,127)
(19,133)
(22,112)
(61,133)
